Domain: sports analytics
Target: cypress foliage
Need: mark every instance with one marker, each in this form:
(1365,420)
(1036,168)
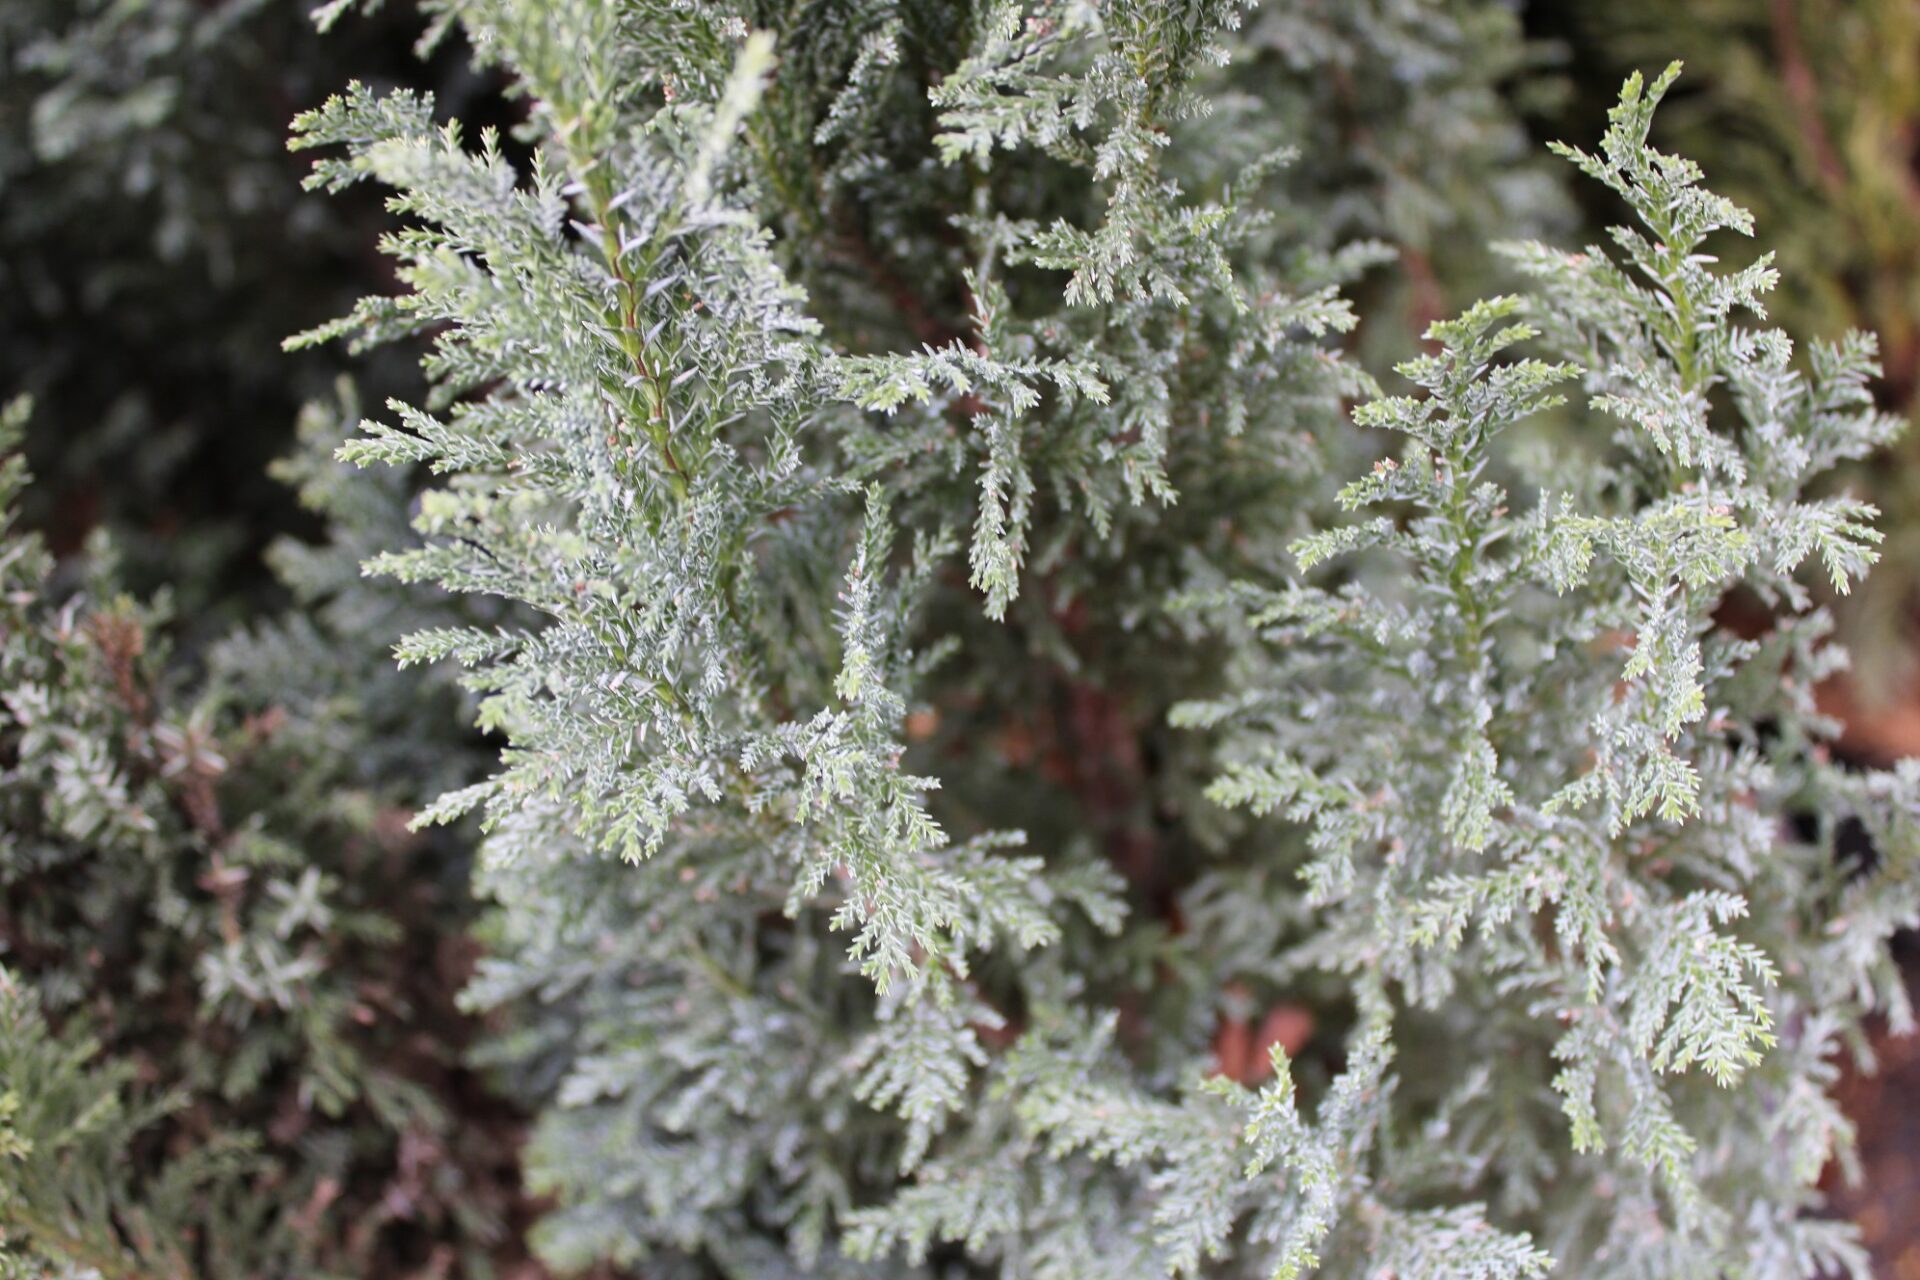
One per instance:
(226,1049)
(1805,114)
(828,597)
(155,247)
(1011,753)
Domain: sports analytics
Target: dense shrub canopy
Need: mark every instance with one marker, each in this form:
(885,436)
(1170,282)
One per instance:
(1009,752)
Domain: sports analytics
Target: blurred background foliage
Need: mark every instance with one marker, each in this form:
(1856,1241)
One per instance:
(228,1038)
(155,247)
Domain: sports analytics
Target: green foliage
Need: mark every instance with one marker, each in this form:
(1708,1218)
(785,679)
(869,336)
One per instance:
(1803,113)
(790,1002)
(67,1124)
(1635,891)
(154,248)
(966,643)
(209,908)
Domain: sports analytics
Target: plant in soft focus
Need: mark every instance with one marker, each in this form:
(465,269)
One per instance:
(889,413)
(1011,754)
(154,249)
(1547,798)
(226,1040)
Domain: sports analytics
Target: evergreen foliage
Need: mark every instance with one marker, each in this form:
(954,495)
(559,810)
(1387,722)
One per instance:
(1010,753)
(789,1002)
(154,249)
(211,1009)
(1632,898)
(1804,113)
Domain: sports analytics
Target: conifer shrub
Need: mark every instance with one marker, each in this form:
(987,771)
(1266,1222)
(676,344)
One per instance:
(1804,113)
(227,1042)
(951,737)
(154,249)
(1011,753)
